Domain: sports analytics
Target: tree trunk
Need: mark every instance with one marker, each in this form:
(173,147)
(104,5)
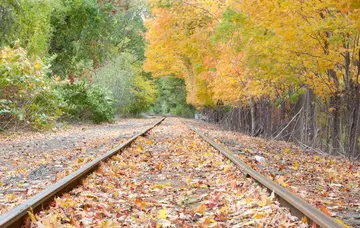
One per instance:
(312,121)
(328,135)
(297,127)
(354,127)
(335,103)
(253,116)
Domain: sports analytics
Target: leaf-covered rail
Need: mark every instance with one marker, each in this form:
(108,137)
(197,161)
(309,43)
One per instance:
(297,206)
(17,216)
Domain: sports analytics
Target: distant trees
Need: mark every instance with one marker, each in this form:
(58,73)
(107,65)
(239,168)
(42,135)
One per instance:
(172,97)
(290,69)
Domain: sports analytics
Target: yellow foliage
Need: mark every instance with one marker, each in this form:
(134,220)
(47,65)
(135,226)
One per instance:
(233,50)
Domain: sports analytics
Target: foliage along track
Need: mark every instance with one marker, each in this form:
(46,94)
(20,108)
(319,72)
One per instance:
(171,178)
(330,183)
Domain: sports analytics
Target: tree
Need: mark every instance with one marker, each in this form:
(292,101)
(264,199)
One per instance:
(247,54)
(172,97)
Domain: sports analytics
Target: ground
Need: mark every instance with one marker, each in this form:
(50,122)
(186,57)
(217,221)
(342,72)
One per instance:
(170,178)
(31,161)
(173,164)
(328,182)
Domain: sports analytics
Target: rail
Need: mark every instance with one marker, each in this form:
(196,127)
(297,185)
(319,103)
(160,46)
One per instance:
(18,215)
(297,205)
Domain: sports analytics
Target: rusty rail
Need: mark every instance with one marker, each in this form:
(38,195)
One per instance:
(18,215)
(297,205)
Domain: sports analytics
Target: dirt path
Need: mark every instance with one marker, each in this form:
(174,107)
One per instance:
(171,178)
(328,182)
(31,162)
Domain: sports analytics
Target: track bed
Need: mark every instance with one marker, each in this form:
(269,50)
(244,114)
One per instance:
(169,178)
(169,175)
(31,162)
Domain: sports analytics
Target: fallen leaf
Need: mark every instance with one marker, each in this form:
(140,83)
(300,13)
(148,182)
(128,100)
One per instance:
(342,223)
(295,165)
(259,215)
(140,203)
(162,214)
(32,216)
(201,209)
(325,210)
(159,166)
(304,220)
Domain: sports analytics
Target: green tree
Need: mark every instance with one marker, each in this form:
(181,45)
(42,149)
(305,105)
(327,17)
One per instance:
(172,97)
(29,22)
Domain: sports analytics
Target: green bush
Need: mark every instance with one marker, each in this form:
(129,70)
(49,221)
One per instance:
(26,95)
(86,102)
(143,95)
(101,104)
(133,90)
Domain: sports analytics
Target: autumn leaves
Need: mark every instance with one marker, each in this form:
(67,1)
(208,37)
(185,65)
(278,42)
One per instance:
(233,50)
(291,56)
(170,178)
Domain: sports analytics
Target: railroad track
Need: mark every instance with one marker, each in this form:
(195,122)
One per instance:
(18,216)
(298,207)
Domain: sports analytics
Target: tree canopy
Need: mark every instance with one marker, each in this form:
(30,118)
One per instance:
(247,53)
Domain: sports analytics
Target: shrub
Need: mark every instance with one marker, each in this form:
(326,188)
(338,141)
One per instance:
(86,102)
(143,95)
(26,95)
(101,104)
(172,97)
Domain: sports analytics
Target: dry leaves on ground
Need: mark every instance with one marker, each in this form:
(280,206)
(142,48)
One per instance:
(171,178)
(328,182)
(28,165)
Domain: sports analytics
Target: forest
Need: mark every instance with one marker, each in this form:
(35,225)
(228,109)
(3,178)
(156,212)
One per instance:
(75,60)
(281,69)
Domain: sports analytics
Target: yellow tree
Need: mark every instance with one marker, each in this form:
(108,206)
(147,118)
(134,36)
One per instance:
(178,37)
(316,41)
(243,52)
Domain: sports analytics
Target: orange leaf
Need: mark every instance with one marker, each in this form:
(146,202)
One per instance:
(140,203)
(208,221)
(159,166)
(325,210)
(201,209)
(304,220)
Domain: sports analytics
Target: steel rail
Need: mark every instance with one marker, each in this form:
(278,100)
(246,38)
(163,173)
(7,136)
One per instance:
(297,205)
(18,215)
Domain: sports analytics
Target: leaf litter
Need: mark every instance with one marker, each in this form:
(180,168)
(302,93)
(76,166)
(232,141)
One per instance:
(30,163)
(171,178)
(330,183)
